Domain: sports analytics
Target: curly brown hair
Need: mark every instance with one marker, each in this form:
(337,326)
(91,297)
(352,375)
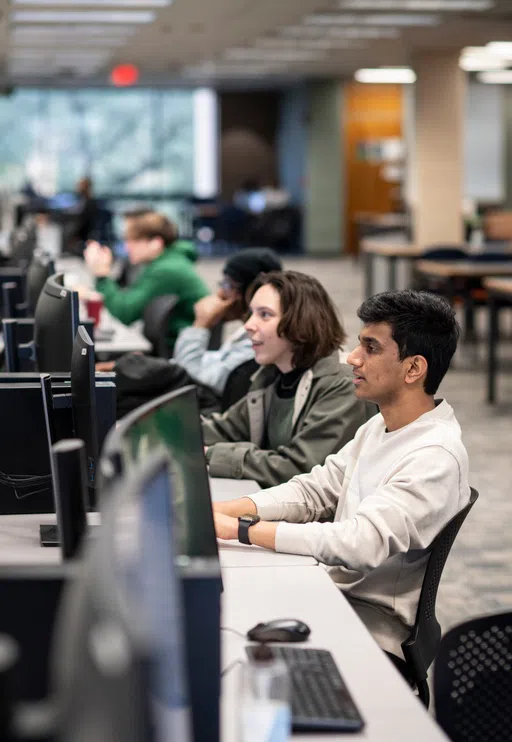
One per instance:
(310,321)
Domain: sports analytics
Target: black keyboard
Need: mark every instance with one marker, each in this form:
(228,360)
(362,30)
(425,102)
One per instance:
(319,697)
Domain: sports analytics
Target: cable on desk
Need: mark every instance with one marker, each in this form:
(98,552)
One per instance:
(230,667)
(26,485)
(234,631)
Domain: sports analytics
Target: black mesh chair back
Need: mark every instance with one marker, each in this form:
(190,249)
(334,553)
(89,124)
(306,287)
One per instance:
(156,323)
(473,680)
(216,336)
(490,257)
(421,647)
(238,383)
(444,252)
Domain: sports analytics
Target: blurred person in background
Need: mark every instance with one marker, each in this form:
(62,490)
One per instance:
(151,239)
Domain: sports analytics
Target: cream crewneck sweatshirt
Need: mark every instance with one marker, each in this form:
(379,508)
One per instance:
(386,496)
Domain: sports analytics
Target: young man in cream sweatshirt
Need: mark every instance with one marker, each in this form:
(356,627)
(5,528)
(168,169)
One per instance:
(372,510)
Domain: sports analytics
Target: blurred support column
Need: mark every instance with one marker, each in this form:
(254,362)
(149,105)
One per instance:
(439,160)
(507,111)
(324,206)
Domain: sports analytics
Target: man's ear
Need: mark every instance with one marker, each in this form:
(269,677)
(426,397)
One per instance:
(416,369)
(155,246)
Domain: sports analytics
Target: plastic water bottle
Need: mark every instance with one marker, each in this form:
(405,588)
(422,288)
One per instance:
(265,714)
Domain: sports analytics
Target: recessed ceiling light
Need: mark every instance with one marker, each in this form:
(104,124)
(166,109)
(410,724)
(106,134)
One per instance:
(399,75)
(433,5)
(496,77)
(82,16)
(374,19)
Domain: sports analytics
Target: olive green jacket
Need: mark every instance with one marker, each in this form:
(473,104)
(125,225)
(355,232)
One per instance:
(326,416)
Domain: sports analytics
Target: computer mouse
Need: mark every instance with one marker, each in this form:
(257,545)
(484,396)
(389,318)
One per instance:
(280,630)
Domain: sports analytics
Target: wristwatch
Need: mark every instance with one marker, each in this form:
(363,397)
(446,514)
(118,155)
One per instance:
(244,523)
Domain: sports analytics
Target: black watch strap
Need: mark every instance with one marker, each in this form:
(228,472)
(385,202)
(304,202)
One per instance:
(244,523)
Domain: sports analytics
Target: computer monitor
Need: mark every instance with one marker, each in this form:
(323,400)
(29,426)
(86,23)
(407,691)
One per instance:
(39,270)
(56,324)
(63,201)
(173,421)
(120,673)
(83,393)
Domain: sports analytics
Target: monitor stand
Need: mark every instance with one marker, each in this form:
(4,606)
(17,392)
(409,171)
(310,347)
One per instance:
(49,535)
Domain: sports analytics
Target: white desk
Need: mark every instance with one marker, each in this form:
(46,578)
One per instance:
(389,708)
(231,489)
(124,339)
(19,544)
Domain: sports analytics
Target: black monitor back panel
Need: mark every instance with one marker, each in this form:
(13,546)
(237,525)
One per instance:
(30,598)
(23,440)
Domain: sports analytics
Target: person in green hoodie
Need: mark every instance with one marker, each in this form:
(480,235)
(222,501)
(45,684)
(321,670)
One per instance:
(151,239)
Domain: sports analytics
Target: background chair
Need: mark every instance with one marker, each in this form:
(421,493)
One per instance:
(420,648)
(216,336)
(156,323)
(473,680)
(238,383)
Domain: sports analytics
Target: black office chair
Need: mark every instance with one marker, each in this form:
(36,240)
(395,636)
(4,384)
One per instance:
(473,680)
(156,323)
(444,252)
(238,383)
(420,648)
(216,336)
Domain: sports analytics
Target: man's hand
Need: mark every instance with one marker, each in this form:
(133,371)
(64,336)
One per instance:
(105,365)
(261,534)
(98,259)
(226,527)
(210,310)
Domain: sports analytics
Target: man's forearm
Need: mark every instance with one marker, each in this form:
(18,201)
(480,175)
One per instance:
(235,508)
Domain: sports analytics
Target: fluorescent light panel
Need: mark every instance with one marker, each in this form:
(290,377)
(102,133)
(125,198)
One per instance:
(277,42)
(374,19)
(96,3)
(400,75)
(427,5)
(211,70)
(82,16)
(34,54)
(500,48)
(496,77)
(285,55)
(340,32)
(50,42)
(83,31)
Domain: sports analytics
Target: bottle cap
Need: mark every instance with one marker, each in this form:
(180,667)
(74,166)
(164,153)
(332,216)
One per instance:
(263,653)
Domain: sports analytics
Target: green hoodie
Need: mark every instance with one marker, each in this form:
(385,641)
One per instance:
(171,272)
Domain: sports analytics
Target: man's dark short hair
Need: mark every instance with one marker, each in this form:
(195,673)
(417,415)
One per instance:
(310,321)
(421,324)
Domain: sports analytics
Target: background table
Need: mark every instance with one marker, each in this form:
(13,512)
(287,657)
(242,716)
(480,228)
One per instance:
(500,295)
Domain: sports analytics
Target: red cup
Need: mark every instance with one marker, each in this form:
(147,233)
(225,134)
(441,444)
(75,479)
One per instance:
(94,307)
